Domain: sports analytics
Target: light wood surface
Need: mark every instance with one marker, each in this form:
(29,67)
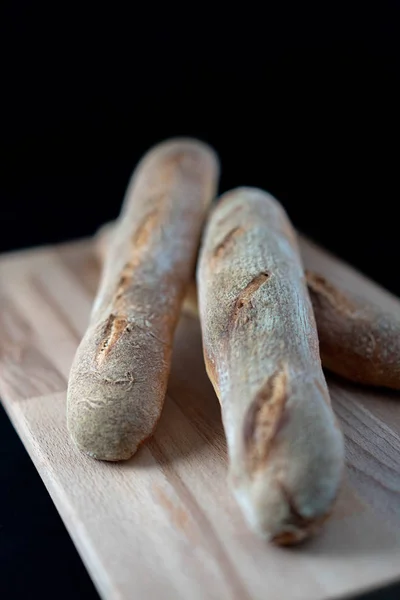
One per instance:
(164,525)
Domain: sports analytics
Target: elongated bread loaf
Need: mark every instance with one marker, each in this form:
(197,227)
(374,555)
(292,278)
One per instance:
(358,340)
(261,353)
(119,375)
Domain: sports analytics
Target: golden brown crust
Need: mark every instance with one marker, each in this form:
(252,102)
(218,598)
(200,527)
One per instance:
(261,353)
(119,375)
(113,329)
(264,418)
(357,339)
(321,287)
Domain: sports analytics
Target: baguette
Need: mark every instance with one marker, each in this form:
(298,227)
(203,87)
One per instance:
(357,339)
(119,374)
(261,353)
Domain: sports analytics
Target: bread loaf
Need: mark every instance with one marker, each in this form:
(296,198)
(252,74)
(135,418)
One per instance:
(261,352)
(119,375)
(357,339)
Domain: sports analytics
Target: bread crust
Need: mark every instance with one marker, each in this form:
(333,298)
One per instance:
(119,375)
(261,352)
(358,340)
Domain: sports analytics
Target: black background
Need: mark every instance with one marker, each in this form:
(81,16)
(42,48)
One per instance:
(300,100)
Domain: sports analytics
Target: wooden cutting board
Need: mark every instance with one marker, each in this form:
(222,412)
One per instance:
(164,525)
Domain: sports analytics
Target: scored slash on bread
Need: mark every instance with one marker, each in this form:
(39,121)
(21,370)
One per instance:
(286,452)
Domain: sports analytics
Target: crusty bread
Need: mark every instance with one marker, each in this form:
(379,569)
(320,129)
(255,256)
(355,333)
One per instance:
(103,239)
(358,340)
(119,375)
(261,352)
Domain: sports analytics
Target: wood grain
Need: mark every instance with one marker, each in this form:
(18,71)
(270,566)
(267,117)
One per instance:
(163,525)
